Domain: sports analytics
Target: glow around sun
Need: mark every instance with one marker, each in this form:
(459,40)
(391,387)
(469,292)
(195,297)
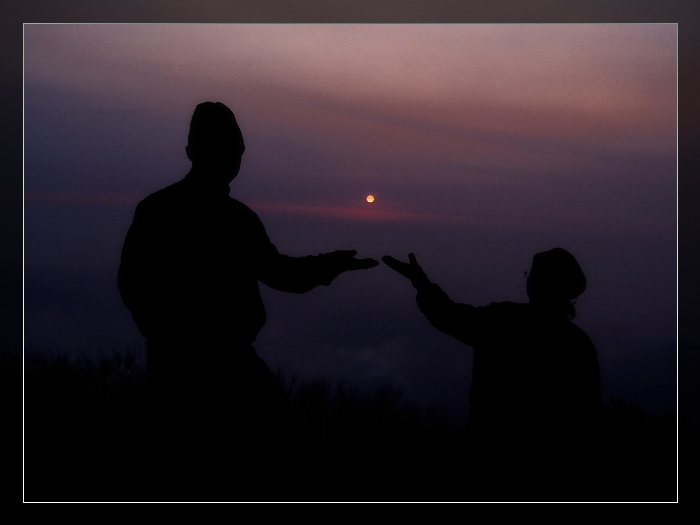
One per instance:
(370,198)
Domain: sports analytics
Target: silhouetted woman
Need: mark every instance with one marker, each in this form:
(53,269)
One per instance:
(536,385)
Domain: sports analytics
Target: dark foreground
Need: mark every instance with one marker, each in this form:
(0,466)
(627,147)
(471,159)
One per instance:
(91,435)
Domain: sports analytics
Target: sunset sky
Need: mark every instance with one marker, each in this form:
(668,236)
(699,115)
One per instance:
(482,145)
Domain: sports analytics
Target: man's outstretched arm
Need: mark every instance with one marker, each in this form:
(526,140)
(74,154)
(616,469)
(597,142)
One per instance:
(451,318)
(297,274)
(301,274)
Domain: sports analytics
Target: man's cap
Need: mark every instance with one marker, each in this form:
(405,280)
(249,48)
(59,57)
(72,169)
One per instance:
(210,121)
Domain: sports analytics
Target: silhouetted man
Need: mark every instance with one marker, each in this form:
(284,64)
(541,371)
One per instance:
(189,273)
(536,386)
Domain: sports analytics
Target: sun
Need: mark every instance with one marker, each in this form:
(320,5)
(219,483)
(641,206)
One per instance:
(370,198)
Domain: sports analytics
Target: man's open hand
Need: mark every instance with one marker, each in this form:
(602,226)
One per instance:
(341,261)
(345,260)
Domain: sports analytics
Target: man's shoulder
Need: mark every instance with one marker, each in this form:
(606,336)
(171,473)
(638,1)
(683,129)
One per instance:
(243,213)
(180,195)
(162,197)
(239,207)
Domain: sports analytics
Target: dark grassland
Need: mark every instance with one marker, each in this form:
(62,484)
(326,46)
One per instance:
(89,436)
